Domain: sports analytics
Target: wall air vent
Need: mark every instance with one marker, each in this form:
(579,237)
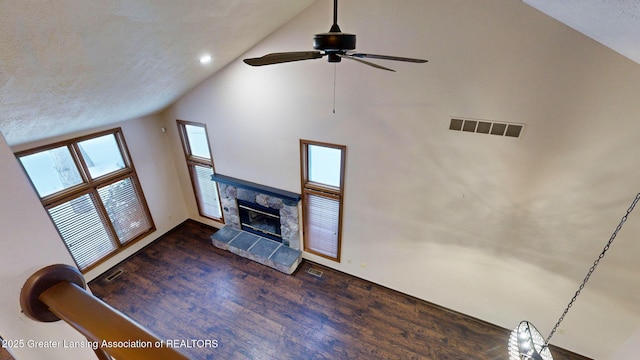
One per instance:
(486,127)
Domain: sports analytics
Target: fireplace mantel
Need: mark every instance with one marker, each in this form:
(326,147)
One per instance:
(288,197)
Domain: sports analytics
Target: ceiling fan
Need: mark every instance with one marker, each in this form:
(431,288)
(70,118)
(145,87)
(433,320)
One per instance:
(334,44)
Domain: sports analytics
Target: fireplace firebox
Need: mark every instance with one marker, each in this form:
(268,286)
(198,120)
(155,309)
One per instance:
(260,220)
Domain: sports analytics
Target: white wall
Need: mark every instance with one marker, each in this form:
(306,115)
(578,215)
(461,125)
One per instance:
(501,229)
(29,242)
(630,349)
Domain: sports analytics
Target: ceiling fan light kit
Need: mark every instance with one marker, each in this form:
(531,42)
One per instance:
(335,45)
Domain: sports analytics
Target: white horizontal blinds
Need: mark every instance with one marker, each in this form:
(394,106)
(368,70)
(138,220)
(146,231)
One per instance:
(206,191)
(126,212)
(83,230)
(195,143)
(322,224)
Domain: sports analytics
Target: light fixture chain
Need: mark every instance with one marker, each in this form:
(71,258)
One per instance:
(593,268)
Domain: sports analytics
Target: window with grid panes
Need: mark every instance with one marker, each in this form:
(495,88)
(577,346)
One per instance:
(90,190)
(322,173)
(195,143)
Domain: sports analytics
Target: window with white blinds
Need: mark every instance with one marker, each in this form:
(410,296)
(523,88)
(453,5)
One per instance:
(322,167)
(83,230)
(323,223)
(195,143)
(90,189)
(126,211)
(206,191)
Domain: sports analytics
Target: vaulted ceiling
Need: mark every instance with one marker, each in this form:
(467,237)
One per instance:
(73,64)
(70,65)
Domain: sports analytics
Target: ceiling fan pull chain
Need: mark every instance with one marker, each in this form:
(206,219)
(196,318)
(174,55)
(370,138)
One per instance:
(334,88)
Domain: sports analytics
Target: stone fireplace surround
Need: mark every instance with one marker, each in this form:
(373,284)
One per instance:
(285,256)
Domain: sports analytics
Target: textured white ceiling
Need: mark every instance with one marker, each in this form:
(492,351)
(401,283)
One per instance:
(67,65)
(614,23)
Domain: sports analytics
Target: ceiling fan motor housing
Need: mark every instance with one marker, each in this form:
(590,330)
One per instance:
(334,43)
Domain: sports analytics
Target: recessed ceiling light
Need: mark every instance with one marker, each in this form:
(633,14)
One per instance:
(205,59)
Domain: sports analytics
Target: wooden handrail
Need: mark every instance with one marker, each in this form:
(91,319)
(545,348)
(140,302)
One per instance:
(60,290)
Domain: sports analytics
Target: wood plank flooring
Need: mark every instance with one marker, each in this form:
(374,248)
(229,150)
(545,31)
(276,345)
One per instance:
(4,354)
(181,287)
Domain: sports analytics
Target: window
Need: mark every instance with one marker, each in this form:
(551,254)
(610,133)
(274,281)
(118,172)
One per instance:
(90,190)
(322,172)
(197,152)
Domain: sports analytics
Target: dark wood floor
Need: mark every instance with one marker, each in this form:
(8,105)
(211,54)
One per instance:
(181,287)
(4,354)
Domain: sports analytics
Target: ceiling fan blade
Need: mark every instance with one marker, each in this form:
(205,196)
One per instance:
(348,56)
(387,57)
(277,58)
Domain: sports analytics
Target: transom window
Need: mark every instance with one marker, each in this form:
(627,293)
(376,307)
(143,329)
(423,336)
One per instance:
(52,171)
(195,143)
(322,173)
(91,192)
(325,165)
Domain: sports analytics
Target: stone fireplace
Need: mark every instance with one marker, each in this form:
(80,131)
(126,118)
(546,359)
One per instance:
(262,223)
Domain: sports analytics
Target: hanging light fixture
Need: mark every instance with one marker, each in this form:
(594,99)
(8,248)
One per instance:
(525,342)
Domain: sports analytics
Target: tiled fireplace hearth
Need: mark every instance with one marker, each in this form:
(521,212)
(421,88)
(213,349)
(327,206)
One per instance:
(252,229)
